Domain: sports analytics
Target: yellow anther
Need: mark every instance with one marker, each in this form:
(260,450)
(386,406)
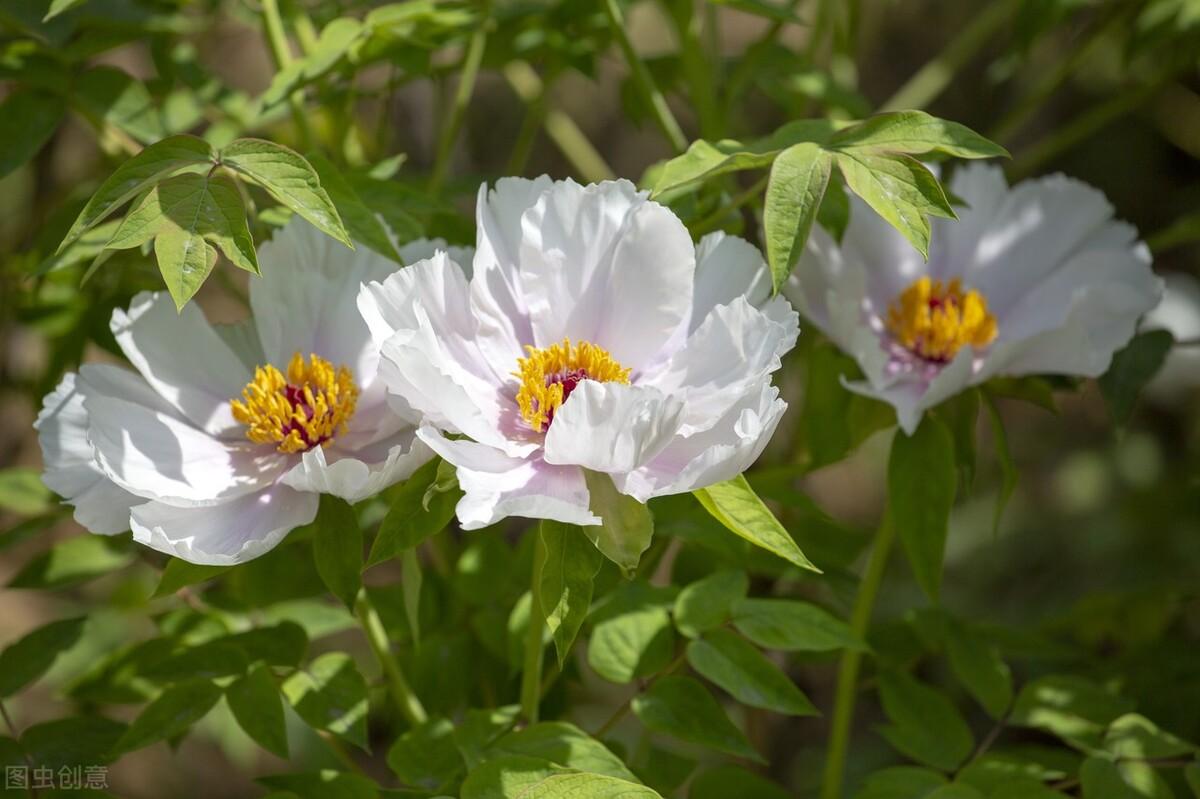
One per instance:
(307,408)
(936,320)
(549,375)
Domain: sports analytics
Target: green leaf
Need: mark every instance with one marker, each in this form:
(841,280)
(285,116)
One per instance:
(110,95)
(631,637)
(1008,468)
(331,695)
(901,782)
(289,179)
(208,660)
(72,742)
(960,413)
(1073,708)
(705,160)
(60,6)
(977,665)
(258,708)
(30,119)
(185,260)
(181,574)
(684,709)
(426,755)
(899,188)
(564,745)
(1102,779)
(791,626)
(1135,737)
(282,644)
(135,176)
(333,43)
(925,725)
(921,488)
(708,603)
(410,585)
(728,660)
(916,133)
(338,548)
(735,505)
(75,560)
(171,714)
(725,782)
(507,777)
(797,185)
(22,492)
(324,784)
(592,786)
(628,525)
(409,520)
(570,563)
(1132,368)
(1191,773)
(25,660)
(362,222)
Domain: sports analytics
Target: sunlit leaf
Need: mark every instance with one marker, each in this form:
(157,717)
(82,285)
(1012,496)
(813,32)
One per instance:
(799,176)
(568,567)
(735,505)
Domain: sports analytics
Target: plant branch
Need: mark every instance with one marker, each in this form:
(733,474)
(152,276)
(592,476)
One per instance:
(644,80)
(408,703)
(282,54)
(458,108)
(531,673)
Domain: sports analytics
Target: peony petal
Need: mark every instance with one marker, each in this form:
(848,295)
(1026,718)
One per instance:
(350,476)
(155,455)
(911,397)
(424,249)
(727,268)
(610,427)
(183,359)
(600,263)
(496,486)
(228,533)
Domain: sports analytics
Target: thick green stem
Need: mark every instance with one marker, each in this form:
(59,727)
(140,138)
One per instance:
(931,79)
(402,693)
(847,678)
(282,53)
(458,109)
(644,80)
(698,67)
(531,675)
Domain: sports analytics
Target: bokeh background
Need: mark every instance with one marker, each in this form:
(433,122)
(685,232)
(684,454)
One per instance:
(1099,550)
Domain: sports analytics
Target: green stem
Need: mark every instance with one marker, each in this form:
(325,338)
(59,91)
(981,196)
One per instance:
(408,703)
(458,108)
(282,53)
(531,674)
(931,79)
(644,80)
(1182,231)
(697,67)
(848,667)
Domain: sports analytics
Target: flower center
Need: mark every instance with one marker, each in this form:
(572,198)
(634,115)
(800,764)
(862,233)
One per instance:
(936,320)
(304,410)
(549,375)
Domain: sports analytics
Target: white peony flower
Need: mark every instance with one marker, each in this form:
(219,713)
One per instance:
(593,335)
(1034,279)
(221,441)
(1178,314)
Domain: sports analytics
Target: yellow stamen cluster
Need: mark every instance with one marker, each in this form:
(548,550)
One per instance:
(548,375)
(305,409)
(936,320)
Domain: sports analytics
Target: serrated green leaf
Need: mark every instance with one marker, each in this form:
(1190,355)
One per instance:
(708,602)
(25,660)
(258,708)
(728,660)
(916,133)
(921,488)
(290,179)
(1132,368)
(977,665)
(735,505)
(628,525)
(925,725)
(75,560)
(899,188)
(175,710)
(331,695)
(30,119)
(684,709)
(788,625)
(22,492)
(135,176)
(338,548)
(361,221)
(569,563)
(798,180)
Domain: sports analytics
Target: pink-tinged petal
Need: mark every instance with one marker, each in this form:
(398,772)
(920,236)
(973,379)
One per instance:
(496,486)
(155,455)
(424,249)
(226,534)
(611,427)
(183,359)
(912,396)
(354,477)
(601,263)
(727,267)
(725,449)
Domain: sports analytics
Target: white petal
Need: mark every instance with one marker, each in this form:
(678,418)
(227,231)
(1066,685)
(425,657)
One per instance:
(828,288)
(600,263)
(891,263)
(70,466)
(353,478)
(225,534)
(727,267)
(305,300)
(183,358)
(154,455)
(423,249)
(727,448)
(912,397)
(728,356)
(610,427)
(496,486)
